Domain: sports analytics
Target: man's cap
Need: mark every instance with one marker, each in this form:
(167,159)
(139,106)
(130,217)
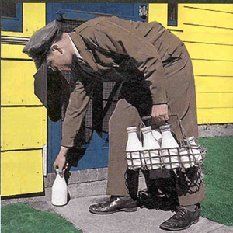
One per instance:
(40,42)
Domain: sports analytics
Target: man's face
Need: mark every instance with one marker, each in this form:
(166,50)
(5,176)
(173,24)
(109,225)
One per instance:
(60,55)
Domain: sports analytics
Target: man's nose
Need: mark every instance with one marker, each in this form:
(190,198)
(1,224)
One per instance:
(50,65)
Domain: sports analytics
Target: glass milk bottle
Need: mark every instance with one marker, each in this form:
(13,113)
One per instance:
(186,157)
(168,141)
(195,151)
(134,149)
(189,156)
(59,190)
(150,143)
(157,135)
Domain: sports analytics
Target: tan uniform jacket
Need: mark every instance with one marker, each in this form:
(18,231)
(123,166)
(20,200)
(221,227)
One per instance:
(110,45)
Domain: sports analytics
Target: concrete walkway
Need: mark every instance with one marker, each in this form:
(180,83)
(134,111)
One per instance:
(141,221)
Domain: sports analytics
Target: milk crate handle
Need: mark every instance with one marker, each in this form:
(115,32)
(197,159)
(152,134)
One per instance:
(149,118)
(146,118)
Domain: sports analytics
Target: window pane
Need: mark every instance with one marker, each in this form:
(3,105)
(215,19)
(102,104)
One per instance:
(172,14)
(9,9)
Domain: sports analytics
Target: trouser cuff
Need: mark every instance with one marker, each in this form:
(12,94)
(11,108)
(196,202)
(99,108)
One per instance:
(194,198)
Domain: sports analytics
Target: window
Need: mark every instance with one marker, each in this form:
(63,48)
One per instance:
(172,14)
(12,14)
(9,9)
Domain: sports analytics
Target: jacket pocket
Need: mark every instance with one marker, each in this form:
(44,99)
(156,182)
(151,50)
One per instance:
(179,99)
(174,65)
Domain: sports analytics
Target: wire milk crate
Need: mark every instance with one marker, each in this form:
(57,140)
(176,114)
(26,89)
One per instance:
(187,155)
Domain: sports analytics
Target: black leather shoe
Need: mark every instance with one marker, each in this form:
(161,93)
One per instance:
(115,204)
(181,220)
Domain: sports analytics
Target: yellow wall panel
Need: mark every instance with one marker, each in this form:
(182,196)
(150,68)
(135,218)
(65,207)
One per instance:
(17,83)
(210,51)
(30,24)
(210,37)
(21,172)
(214,115)
(204,29)
(13,51)
(216,7)
(177,33)
(216,68)
(213,84)
(215,100)
(23,127)
(158,12)
(193,15)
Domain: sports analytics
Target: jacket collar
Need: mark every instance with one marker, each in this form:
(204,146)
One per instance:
(84,52)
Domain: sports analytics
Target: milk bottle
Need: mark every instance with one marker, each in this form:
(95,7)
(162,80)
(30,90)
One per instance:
(133,144)
(59,190)
(157,135)
(168,141)
(196,151)
(150,143)
(186,157)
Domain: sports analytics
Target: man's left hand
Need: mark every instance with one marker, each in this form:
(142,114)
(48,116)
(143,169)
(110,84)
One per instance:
(160,112)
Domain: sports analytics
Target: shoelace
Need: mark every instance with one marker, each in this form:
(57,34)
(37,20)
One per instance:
(180,212)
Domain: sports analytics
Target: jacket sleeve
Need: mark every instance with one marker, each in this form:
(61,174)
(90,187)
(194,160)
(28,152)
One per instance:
(113,38)
(75,112)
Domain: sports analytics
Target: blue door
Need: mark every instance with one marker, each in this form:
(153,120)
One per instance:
(96,153)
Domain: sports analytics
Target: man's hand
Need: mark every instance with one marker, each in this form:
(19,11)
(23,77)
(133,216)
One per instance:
(60,161)
(160,113)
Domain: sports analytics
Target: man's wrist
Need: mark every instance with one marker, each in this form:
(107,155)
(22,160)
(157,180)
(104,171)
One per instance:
(63,150)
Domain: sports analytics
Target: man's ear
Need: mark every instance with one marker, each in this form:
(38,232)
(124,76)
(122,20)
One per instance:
(57,47)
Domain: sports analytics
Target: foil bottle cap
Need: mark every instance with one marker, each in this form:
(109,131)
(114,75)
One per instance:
(146,129)
(165,127)
(131,129)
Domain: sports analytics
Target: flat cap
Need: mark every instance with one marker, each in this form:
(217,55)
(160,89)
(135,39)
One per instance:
(40,42)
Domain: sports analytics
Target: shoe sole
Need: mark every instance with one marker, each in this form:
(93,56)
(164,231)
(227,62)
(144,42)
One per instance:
(115,211)
(180,229)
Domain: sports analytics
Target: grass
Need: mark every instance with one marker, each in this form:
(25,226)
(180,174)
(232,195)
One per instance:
(218,171)
(21,218)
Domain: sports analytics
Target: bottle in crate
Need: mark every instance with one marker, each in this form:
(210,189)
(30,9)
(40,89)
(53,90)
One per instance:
(169,147)
(195,150)
(134,149)
(192,154)
(150,144)
(186,157)
(157,135)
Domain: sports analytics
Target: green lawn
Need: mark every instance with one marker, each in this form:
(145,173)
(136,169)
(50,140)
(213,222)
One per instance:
(218,170)
(21,218)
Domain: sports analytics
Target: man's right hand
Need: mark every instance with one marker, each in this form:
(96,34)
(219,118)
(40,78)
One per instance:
(160,112)
(60,161)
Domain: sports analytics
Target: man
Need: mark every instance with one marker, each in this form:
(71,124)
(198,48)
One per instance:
(156,74)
